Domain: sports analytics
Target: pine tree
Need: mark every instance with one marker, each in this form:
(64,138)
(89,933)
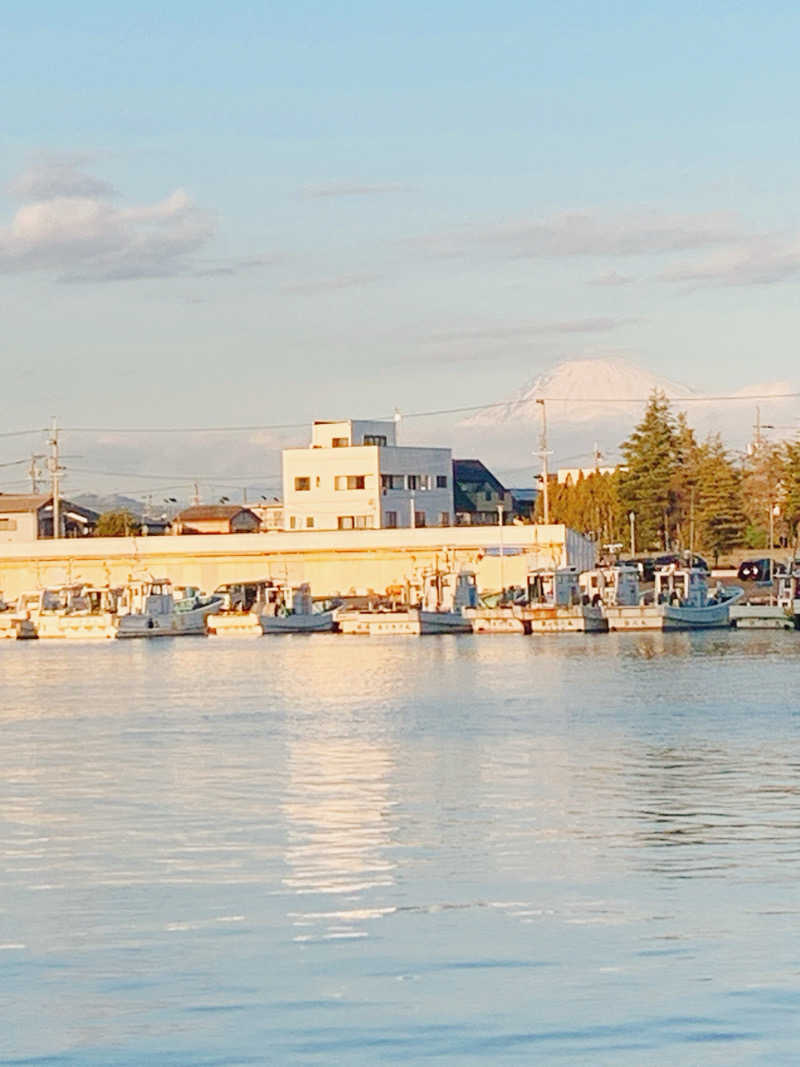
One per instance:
(790,484)
(761,491)
(647,484)
(721,518)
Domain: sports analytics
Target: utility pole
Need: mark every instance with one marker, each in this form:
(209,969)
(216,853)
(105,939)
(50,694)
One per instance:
(196,496)
(55,473)
(34,472)
(632,520)
(543,453)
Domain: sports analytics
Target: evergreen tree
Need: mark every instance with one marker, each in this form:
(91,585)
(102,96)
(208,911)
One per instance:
(647,484)
(721,518)
(791,489)
(761,491)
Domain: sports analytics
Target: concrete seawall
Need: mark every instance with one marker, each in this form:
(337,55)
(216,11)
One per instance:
(346,561)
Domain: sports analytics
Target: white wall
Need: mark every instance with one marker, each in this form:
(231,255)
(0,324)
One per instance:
(18,526)
(323,502)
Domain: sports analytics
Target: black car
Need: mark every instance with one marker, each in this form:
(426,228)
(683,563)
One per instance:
(758,570)
(680,561)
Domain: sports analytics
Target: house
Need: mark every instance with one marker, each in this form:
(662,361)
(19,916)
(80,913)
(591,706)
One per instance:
(216,519)
(29,517)
(354,476)
(270,514)
(479,495)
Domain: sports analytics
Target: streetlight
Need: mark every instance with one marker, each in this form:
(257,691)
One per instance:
(500,524)
(632,518)
(774,512)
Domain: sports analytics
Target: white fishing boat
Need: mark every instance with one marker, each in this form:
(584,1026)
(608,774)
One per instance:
(679,601)
(292,610)
(243,604)
(148,608)
(556,604)
(75,612)
(445,597)
(788,591)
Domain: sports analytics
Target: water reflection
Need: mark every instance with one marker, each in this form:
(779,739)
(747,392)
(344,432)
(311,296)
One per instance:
(338,809)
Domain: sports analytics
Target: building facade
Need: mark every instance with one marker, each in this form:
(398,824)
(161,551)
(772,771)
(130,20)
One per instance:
(29,517)
(216,518)
(355,476)
(479,496)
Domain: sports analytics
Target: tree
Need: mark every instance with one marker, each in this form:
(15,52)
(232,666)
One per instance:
(119,523)
(791,488)
(647,484)
(762,490)
(721,518)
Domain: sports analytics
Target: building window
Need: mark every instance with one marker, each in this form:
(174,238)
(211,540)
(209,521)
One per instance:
(391,520)
(309,521)
(340,442)
(350,481)
(441,481)
(392,481)
(413,481)
(487,495)
(363,522)
(302,485)
(444,518)
(8,524)
(292,523)
(424,481)
(419,518)
(345,522)
(375,439)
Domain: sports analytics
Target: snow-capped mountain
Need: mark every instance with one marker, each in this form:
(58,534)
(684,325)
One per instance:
(597,402)
(584,390)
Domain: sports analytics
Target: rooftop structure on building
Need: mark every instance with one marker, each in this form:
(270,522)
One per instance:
(354,475)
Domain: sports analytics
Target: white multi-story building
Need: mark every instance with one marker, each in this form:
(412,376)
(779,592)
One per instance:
(355,476)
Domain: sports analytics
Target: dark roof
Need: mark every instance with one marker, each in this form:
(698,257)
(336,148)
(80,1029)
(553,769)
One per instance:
(199,512)
(23,501)
(473,472)
(461,502)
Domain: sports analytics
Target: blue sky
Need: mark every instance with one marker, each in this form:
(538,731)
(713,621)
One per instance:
(265,213)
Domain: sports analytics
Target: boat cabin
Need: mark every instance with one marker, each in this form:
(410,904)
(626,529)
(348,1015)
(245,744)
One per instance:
(616,586)
(556,588)
(449,590)
(683,587)
(147,596)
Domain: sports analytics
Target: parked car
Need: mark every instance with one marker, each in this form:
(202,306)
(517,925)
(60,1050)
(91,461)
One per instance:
(680,561)
(758,570)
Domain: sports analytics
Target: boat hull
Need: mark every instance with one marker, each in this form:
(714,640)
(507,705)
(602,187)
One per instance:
(667,617)
(234,624)
(412,623)
(761,617)
(497,621)
(77,627)
(576,618)
(322,622)
(175,624)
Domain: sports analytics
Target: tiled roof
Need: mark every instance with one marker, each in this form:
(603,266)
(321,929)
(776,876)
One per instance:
(199,512)
(25,502)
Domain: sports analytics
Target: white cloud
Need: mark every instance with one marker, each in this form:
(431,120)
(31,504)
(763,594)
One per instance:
(68,224)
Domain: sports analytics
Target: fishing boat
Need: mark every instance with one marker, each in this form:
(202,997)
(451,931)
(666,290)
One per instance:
(444,597)
(679,600)
(292,610)
(75,612)
(148,608)
(556,604)
(243,603)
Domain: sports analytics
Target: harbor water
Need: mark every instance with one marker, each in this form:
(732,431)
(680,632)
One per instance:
(461,849)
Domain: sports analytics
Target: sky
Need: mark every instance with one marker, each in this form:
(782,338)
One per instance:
(259,214)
